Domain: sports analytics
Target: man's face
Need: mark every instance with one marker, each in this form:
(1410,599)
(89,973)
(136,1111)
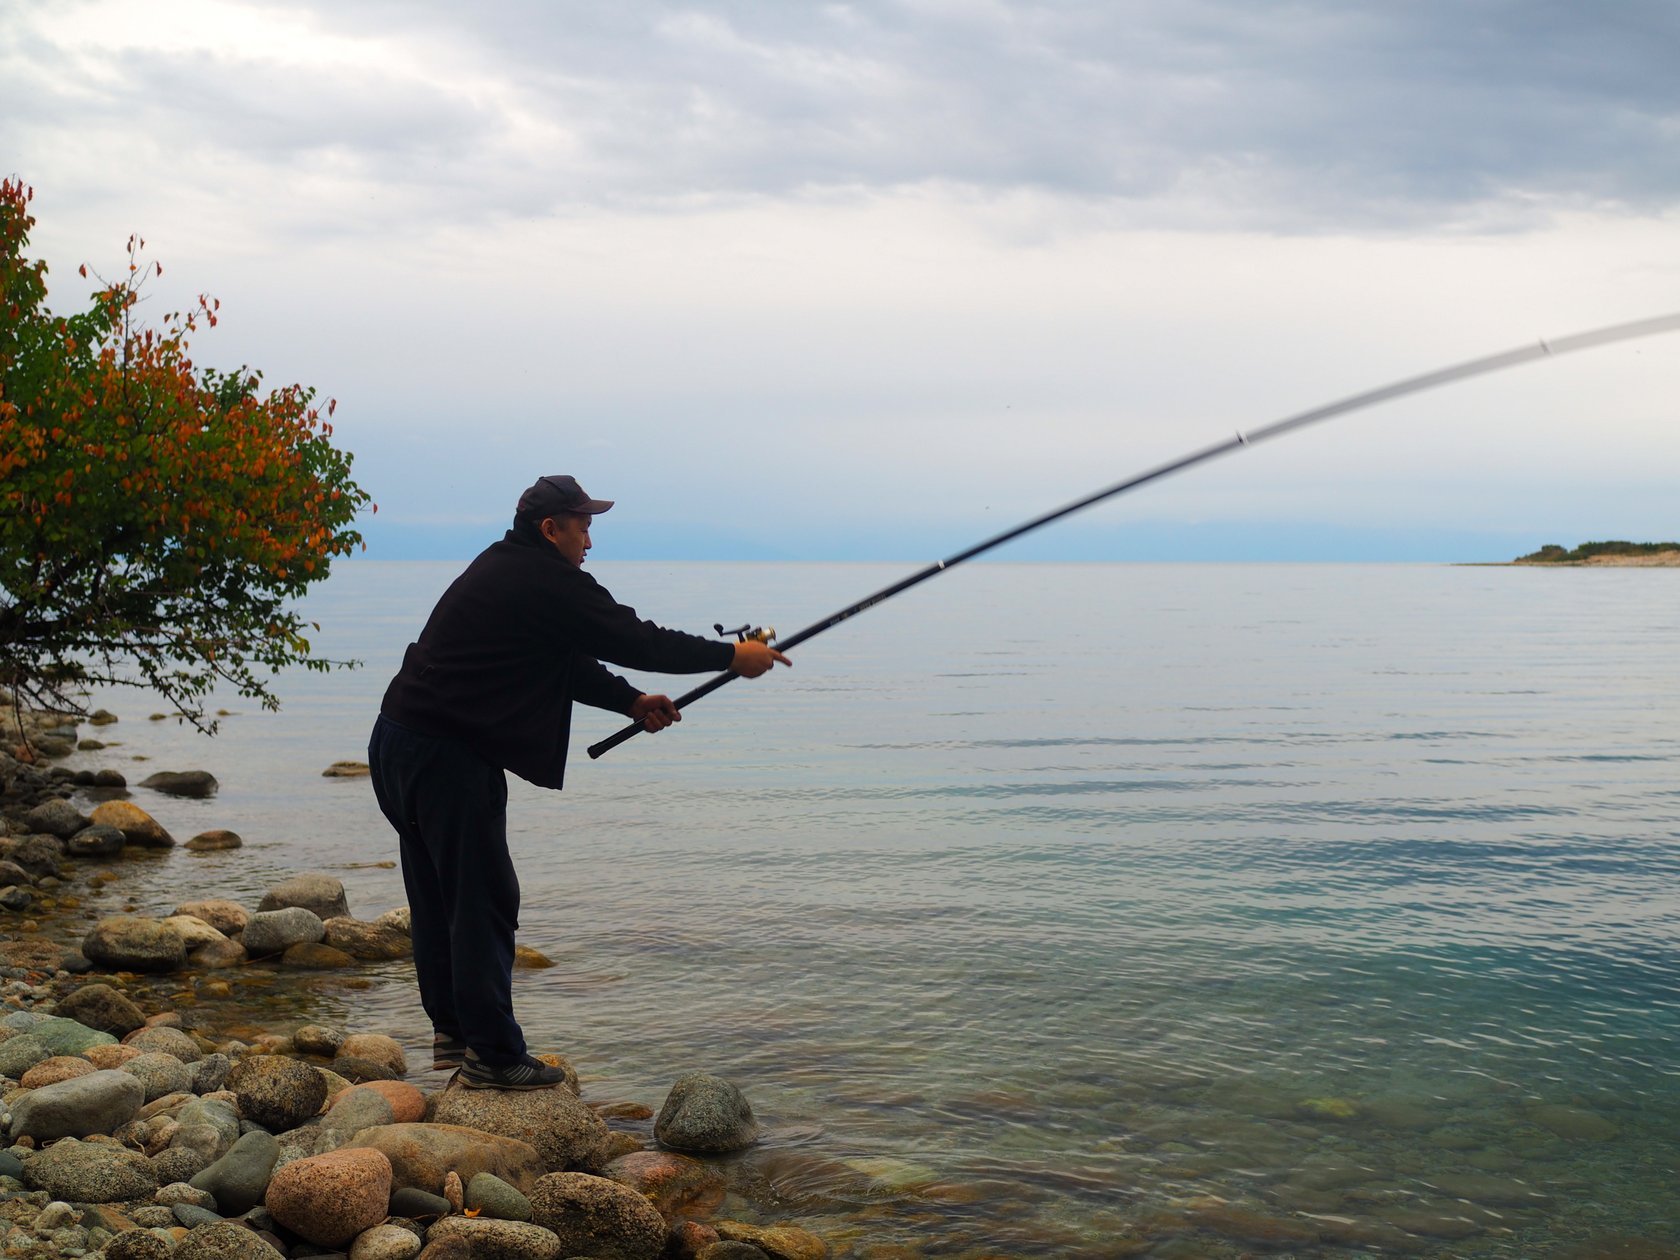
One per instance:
(569,534)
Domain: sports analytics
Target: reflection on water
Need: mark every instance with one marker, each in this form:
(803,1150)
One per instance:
(1086,911)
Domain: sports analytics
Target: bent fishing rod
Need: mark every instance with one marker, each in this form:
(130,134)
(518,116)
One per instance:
(1357,402)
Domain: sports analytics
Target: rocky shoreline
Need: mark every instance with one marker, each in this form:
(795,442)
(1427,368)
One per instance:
(137,1129)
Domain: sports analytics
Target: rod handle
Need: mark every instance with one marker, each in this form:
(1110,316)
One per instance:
(636,728)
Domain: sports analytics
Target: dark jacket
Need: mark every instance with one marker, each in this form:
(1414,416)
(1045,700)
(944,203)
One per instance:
(517,638)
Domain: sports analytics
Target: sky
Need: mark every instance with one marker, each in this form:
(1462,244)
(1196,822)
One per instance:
(876,280)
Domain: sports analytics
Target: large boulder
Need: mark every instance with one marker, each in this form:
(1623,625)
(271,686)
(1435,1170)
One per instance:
(329,1199)
(323,895)
(133,942)
(194,783)
(422,1155)
(596,1217)
(96,1103)
(276,931)
(565,1133)
(90,1172)
(239,1179)
(56,818)
(707,1115)
(278,1093)
(137,826)
(102,1007)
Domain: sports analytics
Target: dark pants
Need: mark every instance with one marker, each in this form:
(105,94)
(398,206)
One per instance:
(449,807)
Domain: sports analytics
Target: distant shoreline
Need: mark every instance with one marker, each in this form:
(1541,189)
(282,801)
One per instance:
(1655,560)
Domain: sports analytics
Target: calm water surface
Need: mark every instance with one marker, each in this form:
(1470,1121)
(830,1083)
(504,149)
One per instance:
(1086,910)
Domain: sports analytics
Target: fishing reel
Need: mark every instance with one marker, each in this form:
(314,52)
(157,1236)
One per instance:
(756,634)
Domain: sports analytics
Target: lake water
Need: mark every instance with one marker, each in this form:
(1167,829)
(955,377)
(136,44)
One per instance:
(1083,910)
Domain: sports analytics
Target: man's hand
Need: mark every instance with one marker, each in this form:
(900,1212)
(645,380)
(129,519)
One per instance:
(655,713)
(753,658)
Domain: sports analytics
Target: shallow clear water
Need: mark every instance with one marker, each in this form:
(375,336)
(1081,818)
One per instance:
(1085,910)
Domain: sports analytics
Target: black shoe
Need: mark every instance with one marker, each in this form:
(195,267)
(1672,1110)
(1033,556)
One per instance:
(448,1053)
(528,1073)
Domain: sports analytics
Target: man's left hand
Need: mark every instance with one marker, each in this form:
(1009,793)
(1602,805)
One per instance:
(655,713)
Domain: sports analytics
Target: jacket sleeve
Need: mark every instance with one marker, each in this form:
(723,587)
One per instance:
(610,631)
(595,685)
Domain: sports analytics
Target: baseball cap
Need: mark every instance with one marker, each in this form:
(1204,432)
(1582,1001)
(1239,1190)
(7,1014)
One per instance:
(554,496)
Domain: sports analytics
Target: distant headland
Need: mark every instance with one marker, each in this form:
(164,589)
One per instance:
(1599,554)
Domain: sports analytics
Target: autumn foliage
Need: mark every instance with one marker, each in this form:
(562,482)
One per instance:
(157,519)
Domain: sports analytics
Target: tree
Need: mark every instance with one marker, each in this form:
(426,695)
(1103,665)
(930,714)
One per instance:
(157,519)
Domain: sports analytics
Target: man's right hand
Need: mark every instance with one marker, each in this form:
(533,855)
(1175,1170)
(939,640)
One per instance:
(753,658)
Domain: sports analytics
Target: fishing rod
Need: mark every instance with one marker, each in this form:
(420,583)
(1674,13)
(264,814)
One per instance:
(1399,389)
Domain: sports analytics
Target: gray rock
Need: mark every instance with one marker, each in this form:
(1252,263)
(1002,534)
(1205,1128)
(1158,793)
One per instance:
(210,1073)
(96,1103)
(322,895)
(159,1073)
(180,1192)
(193,1216)
(20,1053)
(238,1179)
(56,818)
(706,1114)
(178,1163)
(417,1204)
(69,1036)
(225,1240)
(132,942)
(153,1216)
(95,842)
(277,1093)
(317,1039)
(89,1172)
(16,899)
(165,1040)
(40,854)
(597,1217)
(359,1109)
(207,1113)
(10,1165)
(138,1244)
(101,1007)
(194,783)
(495,1198)
(275,931)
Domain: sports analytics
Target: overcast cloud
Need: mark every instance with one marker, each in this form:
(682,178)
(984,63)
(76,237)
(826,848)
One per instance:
(980,256)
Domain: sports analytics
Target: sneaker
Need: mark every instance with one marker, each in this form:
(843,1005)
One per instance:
(527,1073)
(448,1053)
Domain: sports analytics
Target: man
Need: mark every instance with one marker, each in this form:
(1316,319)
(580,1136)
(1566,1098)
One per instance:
(487,688)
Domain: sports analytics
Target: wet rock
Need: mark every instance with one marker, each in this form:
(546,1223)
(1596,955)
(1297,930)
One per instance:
(331,1198)
(1489,1190)
(376,1048)
(214,841)
(527,959)
(95,842)
(597,1217)
(1432,1222)
(275,931)
(101,717)
(101,1007)
(88,1172)
(678,1187)
(316,1039)
(497,1240)
(165,1040)
(493,1197)
(422,1154)
(707,1115)
(40,854)
(159,1074)
(56,818)
(132,942)
(52,1071)
(228,1240)
(310,956)
(96,1103)
(220,954)
(277,1093)
(194,783)
(361,1071)
(399,919)
(137,826)
(227,917)
(321,895)
(385,1242)
(238,1180)
(346,770)
(194,931)
(1573,1124)
(1244,1225)
(564,1132)
(368,941)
